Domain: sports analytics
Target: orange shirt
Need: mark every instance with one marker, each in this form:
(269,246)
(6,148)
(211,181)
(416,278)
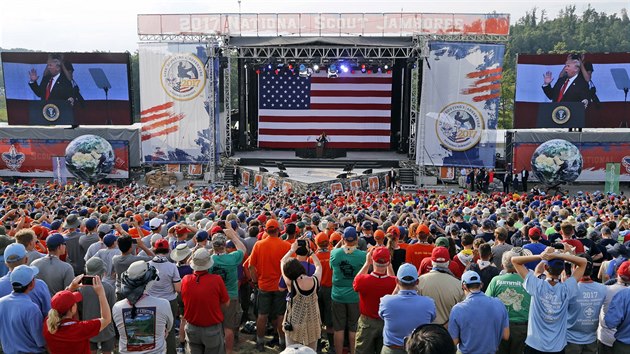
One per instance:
(417,252)
(324,258)
(266,256)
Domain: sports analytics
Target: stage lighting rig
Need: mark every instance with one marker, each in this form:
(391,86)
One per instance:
(333,72)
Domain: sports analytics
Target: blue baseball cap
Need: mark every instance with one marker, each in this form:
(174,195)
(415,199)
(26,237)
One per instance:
(350,233)
(55,240)
(55,225)
(14,252)
(471,277)
(91,223)
(407,273)
(23,275)
(367,225)
(109,239)
(202,235)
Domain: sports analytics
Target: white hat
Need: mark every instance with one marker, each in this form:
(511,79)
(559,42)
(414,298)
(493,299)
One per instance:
(180,252)
(155,223)
(201,260)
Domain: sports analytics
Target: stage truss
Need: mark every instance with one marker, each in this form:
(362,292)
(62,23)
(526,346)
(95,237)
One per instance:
(218,47)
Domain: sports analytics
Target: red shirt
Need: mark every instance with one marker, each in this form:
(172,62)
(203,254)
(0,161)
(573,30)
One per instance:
(72,336)
(202,294)
(371,288)
(417,252)
(579,247)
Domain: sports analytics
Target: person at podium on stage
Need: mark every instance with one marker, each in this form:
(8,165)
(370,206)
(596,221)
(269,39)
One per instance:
(57,82)
(570,87)
(323,138)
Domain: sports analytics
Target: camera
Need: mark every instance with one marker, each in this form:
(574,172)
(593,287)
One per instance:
(287,326)
(301,243)
(87,280)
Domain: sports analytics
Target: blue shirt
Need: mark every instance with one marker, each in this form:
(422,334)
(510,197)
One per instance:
(584,313)
(40,294)
(548,312)
(535,248)
(478,322)
(21,325)
(395,309)
(618,316)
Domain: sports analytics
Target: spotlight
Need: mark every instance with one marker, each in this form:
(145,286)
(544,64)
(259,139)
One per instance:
(344,68)
(290,66)
(316,67)
(269,66)
(386,67)
(257,71)
(277,71)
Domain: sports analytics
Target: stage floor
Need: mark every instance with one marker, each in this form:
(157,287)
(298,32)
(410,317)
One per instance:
(350,156)
(310,175)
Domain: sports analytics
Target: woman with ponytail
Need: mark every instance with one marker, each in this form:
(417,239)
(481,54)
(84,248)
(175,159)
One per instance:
(63,331)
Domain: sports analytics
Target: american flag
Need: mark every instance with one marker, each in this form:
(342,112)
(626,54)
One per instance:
(353,110)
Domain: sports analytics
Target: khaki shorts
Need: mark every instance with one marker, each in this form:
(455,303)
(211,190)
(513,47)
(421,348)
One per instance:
(232,315)
(272,303)
(345,314)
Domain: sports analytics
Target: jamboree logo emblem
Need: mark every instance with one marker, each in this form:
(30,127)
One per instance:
(183,76)
(459,126)
(50,112)
(560,115)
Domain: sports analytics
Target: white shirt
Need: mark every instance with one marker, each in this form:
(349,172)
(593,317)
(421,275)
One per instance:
(571,79)
(150,310)
(54,80)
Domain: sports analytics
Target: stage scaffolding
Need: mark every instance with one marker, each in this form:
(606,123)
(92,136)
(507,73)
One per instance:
(315,38)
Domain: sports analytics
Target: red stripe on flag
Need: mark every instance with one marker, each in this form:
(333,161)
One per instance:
(293,132)
(351,80)
(327,119)
(163,122)
(489,79)
(484,72)
(472,90)
(358,106)
(160,133)
(332,93)
(306,145)
(157,108)
(153,117)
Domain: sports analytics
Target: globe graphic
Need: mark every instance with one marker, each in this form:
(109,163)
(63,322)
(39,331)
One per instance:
(90,158)
(557,161)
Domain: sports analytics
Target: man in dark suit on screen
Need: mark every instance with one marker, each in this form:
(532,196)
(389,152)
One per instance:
(570,87)
(55,85)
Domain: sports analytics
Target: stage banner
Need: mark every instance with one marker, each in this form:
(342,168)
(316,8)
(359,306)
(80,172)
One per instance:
(174,105)
(459,105)
(36,158)
(595,156)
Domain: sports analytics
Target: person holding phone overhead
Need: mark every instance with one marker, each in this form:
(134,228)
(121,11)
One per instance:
(63,332)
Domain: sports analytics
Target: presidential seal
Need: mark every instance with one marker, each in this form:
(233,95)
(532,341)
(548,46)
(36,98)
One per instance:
(183,76)
(50,112)
(459,126)
(561,115)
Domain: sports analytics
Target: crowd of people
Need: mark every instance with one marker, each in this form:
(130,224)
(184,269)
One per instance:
(88,268)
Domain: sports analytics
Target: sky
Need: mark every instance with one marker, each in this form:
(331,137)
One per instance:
(90,25)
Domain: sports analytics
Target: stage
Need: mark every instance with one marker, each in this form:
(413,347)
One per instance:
(316,174)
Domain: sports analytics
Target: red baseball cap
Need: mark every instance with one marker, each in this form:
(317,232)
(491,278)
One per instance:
(64,300)
(533,232)
(440,255)
(624,270)
(262,218)
(381,255)
(379,234)
(335,237)
(215,230)
(161,244)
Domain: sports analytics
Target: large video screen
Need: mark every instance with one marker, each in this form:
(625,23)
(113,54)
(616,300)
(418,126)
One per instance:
(608,104)
(67,88)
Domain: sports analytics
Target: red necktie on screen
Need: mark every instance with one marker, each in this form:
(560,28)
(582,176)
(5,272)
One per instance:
(48,88)
(564,87)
